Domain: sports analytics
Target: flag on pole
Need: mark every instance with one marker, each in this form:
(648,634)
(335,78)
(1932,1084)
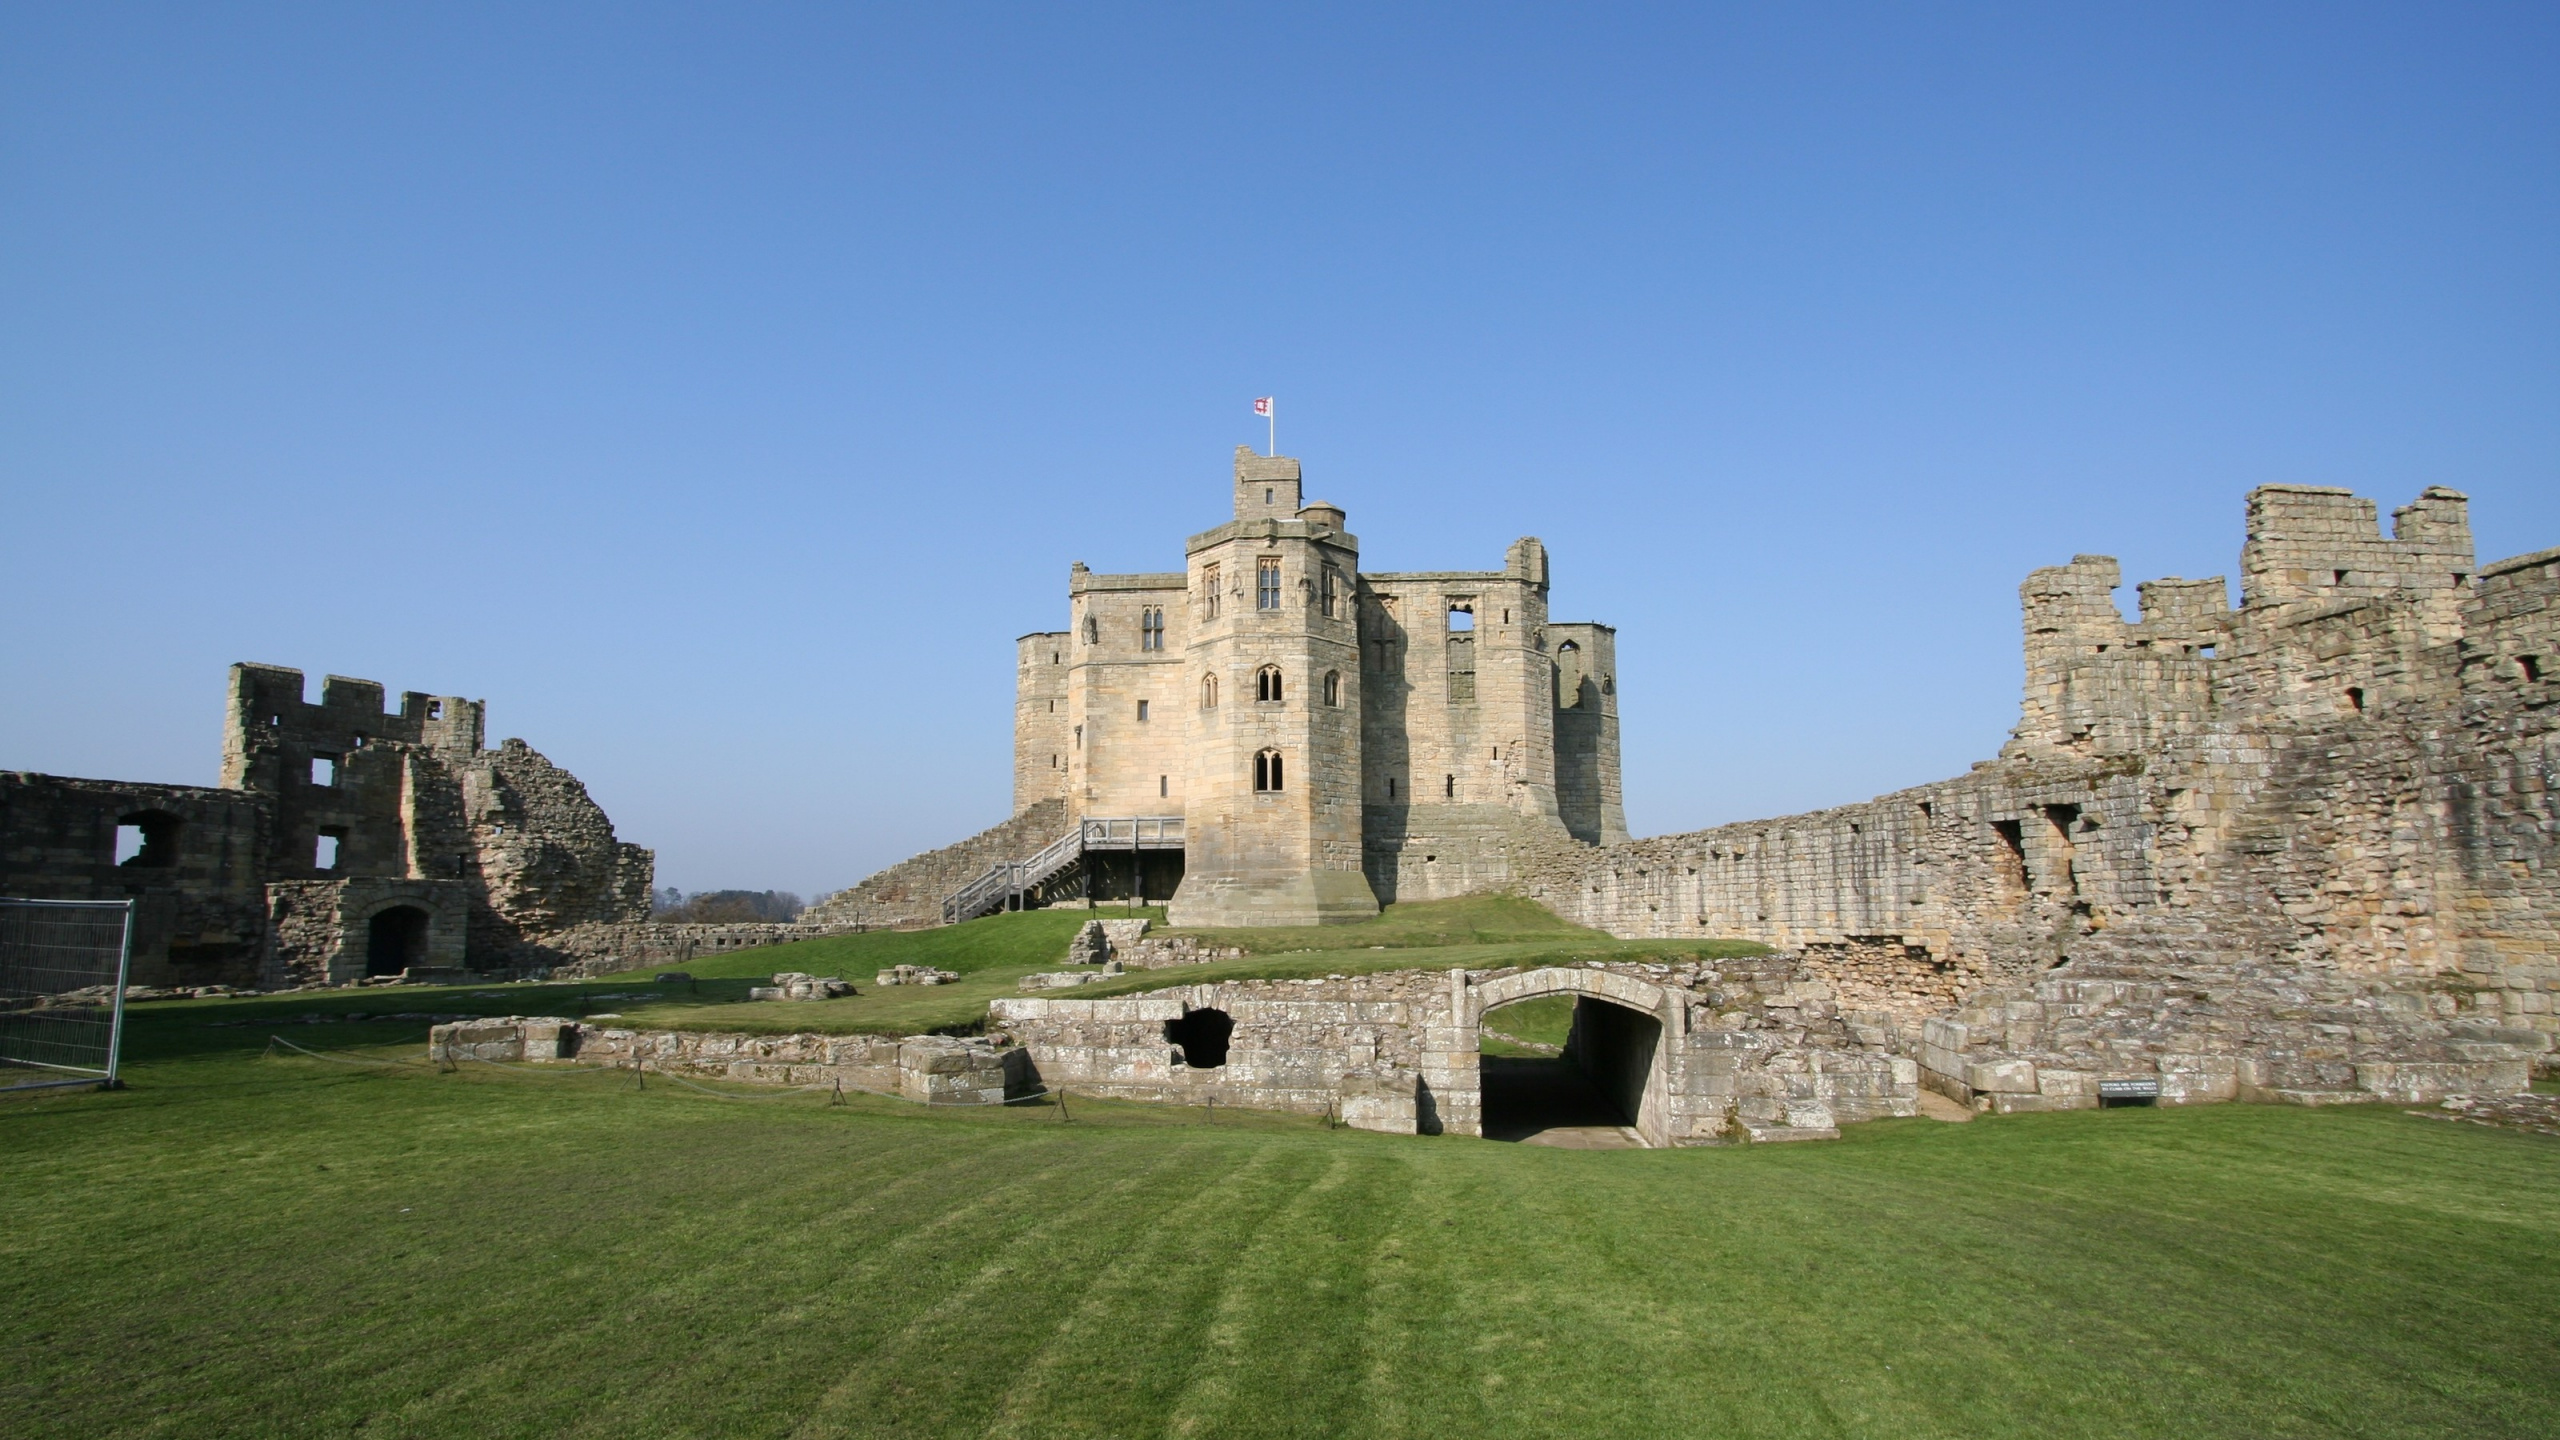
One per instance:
(1262,406)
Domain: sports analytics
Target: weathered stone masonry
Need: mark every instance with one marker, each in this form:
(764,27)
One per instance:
(2296,850)
(344,840)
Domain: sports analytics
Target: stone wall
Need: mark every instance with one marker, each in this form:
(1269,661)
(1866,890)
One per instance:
(199,915)
(498,850)
(932,1069)
(1747,1049)
(911,892)
(2348,782)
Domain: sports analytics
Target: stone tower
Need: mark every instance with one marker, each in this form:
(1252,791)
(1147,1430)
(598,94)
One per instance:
(1271,800)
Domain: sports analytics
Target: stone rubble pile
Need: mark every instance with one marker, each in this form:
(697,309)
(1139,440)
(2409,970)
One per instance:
(793,985)
(915,975)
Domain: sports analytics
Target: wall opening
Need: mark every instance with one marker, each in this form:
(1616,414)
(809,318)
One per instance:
(324,851)
(1208,692)
(2009,857)
(1266,684)
(1266,773)
(324,769)
(1567,1070)
(1266,583)
(1201,1037)
(395,940)
(1333,687)
(1462,617)
(1142,712)
(2063,880)
(2355,698)
(147,840)
(2530,667)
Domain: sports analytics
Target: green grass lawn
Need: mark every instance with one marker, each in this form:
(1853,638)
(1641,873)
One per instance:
(244,1246)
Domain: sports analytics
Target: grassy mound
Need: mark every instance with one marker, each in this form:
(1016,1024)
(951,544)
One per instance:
(290,1247)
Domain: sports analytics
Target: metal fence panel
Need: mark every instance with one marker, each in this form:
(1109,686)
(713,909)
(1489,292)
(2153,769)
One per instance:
(62,978)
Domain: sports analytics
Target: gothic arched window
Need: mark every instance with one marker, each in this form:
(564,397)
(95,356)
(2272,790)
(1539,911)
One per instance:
(1208,692)
(1333,687)
(1266,773)
(1266,683)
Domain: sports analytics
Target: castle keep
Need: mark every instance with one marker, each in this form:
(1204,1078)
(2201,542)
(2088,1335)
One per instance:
(1297,740)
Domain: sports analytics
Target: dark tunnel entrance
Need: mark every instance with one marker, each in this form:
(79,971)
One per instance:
(1202,1037)
(396,940)
(1588,1094)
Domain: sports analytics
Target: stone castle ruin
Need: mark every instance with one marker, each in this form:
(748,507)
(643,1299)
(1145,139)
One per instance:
(2301,850)
(344,841)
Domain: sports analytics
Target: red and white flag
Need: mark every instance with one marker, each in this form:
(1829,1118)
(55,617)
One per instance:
(1262,406)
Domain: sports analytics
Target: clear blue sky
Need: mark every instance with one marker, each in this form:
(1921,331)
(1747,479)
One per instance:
(718,390)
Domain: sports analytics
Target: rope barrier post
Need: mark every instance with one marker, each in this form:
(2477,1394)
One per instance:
(839,1096)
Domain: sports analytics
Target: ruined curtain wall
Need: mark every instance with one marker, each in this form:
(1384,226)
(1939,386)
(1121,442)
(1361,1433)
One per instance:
(2355,778)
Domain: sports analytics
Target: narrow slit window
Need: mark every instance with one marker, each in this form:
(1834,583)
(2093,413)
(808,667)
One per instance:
(1142,712)
(1391,787)
(1449,788)
(1164,786)
(1208,692)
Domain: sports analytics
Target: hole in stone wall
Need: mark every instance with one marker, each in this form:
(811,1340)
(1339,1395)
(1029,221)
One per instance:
(1142,712)
(1461,618)
(1450,787)
(2338,577)
(1164,786)
(324,769)
(1202,1036)
(2530,666)
(2355,699)
(324,851)
(435,709)
(147,840)
(2205,650)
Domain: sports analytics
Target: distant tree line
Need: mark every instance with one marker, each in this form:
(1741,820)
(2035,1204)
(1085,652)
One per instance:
(725,907)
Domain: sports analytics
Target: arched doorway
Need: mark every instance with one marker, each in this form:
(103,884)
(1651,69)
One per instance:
(1591,1071)
(395,940)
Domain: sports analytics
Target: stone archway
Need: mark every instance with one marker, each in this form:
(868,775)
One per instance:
(1624,1038)
(395,940)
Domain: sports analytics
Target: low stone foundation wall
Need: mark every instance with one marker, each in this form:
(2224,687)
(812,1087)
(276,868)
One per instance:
(933,1069)
(1717,1052)
(2270,1034)
(587,951)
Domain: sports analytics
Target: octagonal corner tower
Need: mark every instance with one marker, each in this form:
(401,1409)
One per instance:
(1271,702)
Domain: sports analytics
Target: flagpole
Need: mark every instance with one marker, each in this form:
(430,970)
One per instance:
(1274,418)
